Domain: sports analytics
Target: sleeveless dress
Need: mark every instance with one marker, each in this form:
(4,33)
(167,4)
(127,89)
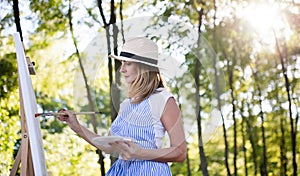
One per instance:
(141,122)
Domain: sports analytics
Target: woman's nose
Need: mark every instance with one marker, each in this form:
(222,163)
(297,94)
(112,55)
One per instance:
(122,70)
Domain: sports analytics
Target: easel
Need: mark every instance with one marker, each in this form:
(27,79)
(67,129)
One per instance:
(24,155)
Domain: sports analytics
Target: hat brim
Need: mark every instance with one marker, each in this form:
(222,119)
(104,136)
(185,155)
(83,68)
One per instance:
(121,58)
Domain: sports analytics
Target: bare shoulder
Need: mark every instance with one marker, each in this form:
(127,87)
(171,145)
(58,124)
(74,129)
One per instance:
(171,113)
(171,104)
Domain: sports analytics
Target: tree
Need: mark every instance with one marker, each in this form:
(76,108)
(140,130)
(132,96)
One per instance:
(88,90)
(197,97)
(263,165)
(9,112)
(293,126)
(113,80)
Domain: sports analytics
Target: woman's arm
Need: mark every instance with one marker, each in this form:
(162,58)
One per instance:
(83,132)
(171,119)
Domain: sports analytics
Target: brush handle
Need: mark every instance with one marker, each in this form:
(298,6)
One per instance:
(61,113)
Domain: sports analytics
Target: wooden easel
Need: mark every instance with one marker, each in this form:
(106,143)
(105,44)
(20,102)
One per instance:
(24,156)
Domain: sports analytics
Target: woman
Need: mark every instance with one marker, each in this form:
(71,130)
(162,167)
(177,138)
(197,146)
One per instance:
(144,116)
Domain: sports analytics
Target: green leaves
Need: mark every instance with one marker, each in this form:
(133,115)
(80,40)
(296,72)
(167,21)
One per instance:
(50,16)
(9,74)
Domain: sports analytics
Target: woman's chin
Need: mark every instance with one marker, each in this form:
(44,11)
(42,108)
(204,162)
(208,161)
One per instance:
(127,81)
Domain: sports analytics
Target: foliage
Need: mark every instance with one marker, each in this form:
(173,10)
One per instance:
(67,154)
(9,103)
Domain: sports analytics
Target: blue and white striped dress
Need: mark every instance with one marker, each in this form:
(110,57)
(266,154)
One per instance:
(141,122)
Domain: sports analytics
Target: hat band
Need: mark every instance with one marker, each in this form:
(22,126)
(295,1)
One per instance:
(140,58)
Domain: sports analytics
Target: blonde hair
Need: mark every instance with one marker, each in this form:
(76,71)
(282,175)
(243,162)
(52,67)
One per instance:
(146,82)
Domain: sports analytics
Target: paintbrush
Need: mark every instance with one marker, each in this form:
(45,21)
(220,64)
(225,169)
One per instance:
(62,113)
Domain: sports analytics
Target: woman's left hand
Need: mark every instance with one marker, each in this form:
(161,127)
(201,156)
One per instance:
(127,149)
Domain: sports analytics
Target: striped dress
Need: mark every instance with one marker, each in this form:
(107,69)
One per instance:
(141,122)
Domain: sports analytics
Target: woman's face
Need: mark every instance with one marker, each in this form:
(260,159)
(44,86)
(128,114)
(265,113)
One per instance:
(129,70)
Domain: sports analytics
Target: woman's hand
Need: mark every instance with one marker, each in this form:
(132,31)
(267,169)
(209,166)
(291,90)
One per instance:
(71,119)
(127,149)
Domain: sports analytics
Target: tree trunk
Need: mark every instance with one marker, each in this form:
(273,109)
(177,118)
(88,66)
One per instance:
(223,125)
(283,158)
(89,96)
(218,93)
(230,67)
(244,139)
(114,92)
(253,138)
(230,77)
(189,173)
(283,147)
(203,164)
(263,162)
(292,123)
(17,17)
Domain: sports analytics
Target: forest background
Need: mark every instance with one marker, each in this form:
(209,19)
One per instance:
(239,93)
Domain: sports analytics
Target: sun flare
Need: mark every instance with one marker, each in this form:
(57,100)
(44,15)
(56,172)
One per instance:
(263,20)
(261,17)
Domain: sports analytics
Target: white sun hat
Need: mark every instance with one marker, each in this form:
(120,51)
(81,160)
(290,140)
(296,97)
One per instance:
(139,49)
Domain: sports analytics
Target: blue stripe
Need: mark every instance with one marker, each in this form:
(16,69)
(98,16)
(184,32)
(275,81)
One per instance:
(136,121)
(139,168)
